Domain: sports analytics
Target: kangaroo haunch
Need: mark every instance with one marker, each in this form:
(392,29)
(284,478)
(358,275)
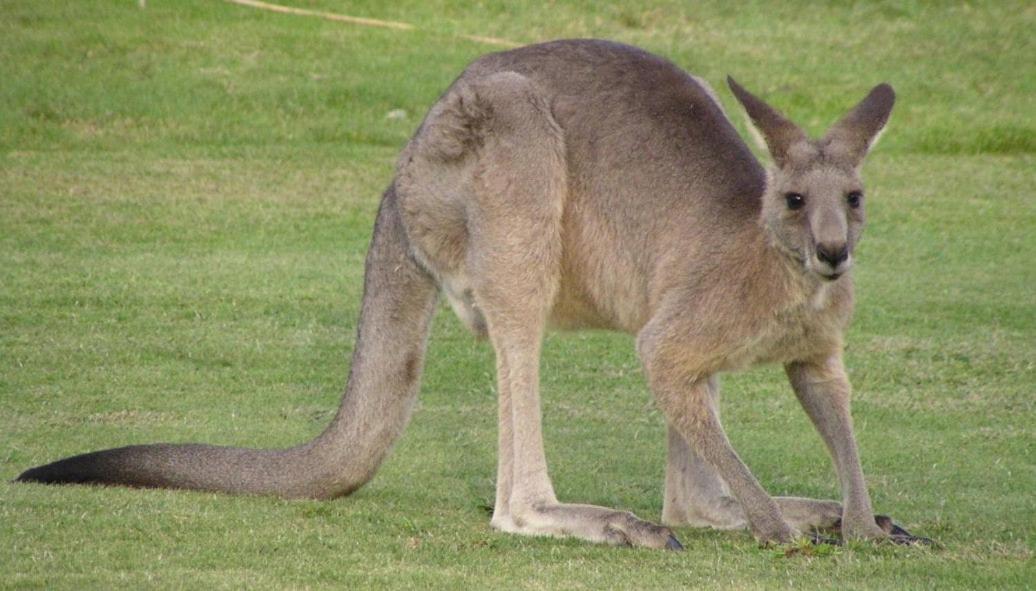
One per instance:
(591,184)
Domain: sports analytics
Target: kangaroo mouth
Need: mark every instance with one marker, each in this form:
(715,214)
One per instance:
(827,271)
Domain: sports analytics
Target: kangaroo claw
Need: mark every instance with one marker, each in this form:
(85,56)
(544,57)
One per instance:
(899,535)
(673,544)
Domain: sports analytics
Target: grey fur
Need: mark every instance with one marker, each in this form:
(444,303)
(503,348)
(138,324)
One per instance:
(591,184)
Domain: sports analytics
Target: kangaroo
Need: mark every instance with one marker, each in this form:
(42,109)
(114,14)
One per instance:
(590,184)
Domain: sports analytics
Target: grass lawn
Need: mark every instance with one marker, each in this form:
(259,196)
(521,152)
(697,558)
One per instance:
(186,195)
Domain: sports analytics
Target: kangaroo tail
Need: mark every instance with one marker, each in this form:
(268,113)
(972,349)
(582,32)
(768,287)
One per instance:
(398,304)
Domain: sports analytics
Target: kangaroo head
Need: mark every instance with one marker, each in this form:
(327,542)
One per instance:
(813,207)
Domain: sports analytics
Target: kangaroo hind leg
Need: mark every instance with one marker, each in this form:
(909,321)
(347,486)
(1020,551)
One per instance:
(514,188)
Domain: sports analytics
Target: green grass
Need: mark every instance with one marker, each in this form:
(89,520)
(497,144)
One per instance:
(186,195)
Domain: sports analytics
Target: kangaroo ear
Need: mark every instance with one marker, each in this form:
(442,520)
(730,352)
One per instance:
(779,133)
(856,133)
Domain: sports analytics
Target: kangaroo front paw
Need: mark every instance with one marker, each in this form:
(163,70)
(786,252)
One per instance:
(626,529)
(882,528)
(899,535)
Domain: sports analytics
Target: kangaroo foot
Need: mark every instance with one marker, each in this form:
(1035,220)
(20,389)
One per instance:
(626,529)
(588,522)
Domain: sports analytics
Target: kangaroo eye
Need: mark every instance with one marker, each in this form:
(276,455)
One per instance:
(854,199)
(794,200)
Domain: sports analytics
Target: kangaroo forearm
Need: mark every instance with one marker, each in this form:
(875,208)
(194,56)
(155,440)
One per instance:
(824,392)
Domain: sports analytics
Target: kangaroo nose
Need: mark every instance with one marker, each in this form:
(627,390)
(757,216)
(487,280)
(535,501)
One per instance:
(832,253)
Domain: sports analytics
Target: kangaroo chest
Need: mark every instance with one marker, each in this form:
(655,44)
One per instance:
(800,332)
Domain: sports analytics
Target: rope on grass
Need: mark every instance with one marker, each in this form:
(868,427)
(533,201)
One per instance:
(359,20)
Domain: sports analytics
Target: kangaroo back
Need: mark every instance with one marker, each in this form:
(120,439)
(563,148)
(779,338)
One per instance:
(398,303)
